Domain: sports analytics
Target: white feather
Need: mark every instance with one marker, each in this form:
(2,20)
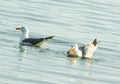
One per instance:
(76,51)
(25,33)
(89,50)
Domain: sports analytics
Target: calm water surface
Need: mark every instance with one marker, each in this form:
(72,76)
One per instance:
(71,21)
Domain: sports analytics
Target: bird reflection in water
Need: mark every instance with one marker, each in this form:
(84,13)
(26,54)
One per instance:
(80,66)
(73,60)
(22,48)
(22,52)
(85,61)
(21,60)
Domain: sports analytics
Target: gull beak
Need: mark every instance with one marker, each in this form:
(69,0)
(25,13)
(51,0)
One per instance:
(18,28)
(72,50)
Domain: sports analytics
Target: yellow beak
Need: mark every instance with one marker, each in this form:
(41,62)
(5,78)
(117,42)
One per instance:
(72,50)
(18,28)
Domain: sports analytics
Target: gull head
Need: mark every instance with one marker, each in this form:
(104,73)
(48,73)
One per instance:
(23,29)
(74,47)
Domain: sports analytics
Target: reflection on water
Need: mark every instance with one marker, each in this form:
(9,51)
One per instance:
(78,62)
(74,60)
(86,62)
(21,57)
(22,52)
(89,62)
(23,48)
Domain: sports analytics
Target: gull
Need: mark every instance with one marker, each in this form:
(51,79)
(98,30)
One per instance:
(90,48)
(25,40)
(74,51)
(84,51)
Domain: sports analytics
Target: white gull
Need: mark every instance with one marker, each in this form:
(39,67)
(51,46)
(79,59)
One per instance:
(85,51)
(25,40)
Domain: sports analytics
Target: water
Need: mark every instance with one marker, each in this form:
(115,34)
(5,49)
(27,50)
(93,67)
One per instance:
(71,21)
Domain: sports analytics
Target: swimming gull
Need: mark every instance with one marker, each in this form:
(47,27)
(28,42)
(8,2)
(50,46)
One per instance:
(84,51)
(25,40)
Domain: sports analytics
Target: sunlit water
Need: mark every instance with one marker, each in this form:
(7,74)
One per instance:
(70,21)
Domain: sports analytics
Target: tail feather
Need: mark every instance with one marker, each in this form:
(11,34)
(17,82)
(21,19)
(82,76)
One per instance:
(94,42)
(50,37)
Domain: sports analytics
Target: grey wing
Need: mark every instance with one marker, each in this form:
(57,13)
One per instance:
(32,41)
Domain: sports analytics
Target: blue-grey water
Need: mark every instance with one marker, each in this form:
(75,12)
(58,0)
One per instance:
(70,21)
